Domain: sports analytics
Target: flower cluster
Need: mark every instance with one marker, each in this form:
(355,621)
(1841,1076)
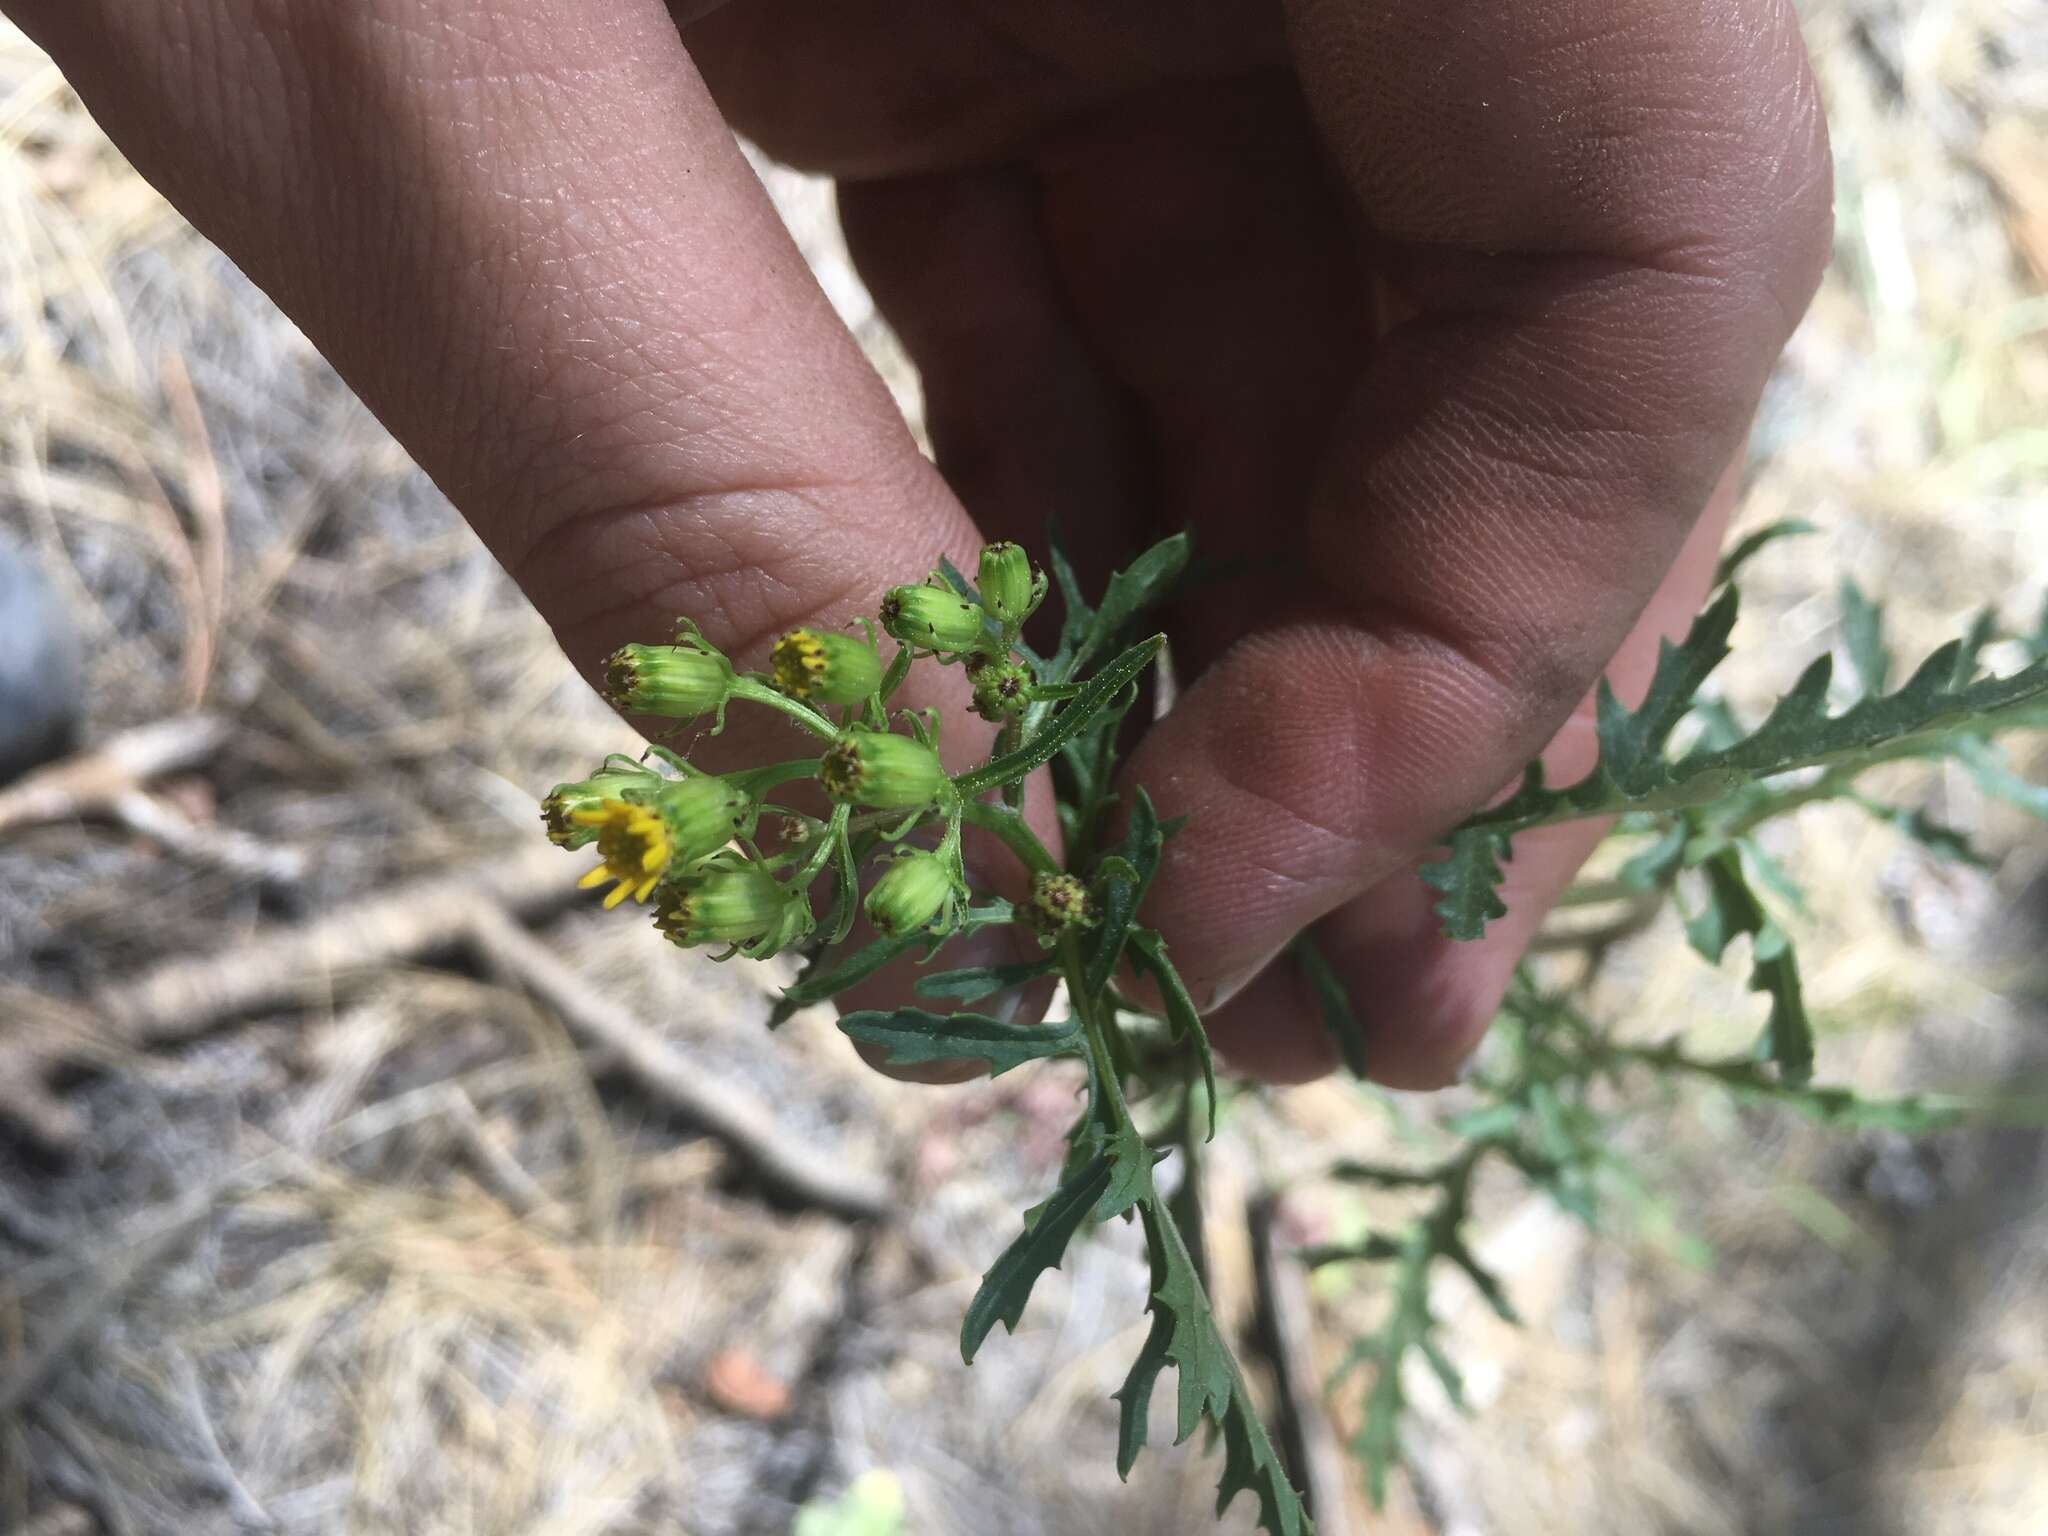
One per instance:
(687,841)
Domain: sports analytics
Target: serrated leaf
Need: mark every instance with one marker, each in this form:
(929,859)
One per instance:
(1130,1175)
(1097,696)
(1936,713)
(1333,1004)
(1148,953)
(913,1037)
(1863,636)
(1184,1334)
(1752,544)
(1469,881)
(1732,909)
(1041,1246)
(974,983)
(1120,891)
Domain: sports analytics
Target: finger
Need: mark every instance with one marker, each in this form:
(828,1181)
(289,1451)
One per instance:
(524,234)
(1423,1000)
(1026,426)
(1605,218)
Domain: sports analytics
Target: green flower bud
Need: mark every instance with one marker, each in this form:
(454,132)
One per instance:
(1009,589)
(825,668)
(914,892)
(885,771)
(565,801)
(744,906)
(936,619)
(999,689)
(703,815)
(1059,903)
(677,682)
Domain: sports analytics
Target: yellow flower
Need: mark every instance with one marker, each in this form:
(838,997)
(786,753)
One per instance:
(634,843)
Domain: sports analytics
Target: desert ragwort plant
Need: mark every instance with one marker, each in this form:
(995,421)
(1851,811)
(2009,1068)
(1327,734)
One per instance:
(729,861)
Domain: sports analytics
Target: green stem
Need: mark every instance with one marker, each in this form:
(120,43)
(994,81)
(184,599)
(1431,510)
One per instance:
(758,781)
(1110,1094)
(801,713)
(1009,827)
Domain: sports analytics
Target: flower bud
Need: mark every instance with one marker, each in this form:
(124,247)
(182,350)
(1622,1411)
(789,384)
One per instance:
(911,894)
(999,690)
(703,815)
(677,682)
(1009,590)
(1059,903)
(743,906)
(825,668)
(564,801)
(934,618)
(882,770)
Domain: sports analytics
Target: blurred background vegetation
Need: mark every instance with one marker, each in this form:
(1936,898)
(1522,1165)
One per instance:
(353,1177)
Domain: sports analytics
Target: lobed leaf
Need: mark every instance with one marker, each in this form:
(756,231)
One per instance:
(1732,908)
(1041,1246)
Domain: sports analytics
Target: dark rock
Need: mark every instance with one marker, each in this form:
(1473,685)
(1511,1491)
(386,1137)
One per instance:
(41,679)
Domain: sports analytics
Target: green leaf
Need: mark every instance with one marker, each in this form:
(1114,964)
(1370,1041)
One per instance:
(1130,1180)
(1938,712)
(1041,1246)
(1148,953)
(1863,635)
(1733,909)
(912,1037)
(1333,1002)
(1098,695)
(977,982)
(1121,890)
(1184,1334)
(851,970)
(1735,559)
(1469,880)
(1132,591)
(1656,864)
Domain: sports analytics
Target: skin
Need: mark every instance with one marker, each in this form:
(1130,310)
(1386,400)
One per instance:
(1438,321)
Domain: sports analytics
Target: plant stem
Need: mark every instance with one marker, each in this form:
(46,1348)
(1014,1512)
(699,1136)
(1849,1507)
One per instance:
(1010,829)
(805,716)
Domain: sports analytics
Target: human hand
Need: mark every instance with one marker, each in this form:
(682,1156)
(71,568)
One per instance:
(1437,321)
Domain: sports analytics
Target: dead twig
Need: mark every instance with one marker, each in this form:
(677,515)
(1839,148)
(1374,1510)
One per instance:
(91,782)
(723,1110)
(186,998)
(189,997)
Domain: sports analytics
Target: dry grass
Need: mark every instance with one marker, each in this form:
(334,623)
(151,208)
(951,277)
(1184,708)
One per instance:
(409,1257)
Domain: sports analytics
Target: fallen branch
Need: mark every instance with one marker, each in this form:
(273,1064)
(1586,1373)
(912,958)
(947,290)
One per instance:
(723,1110)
